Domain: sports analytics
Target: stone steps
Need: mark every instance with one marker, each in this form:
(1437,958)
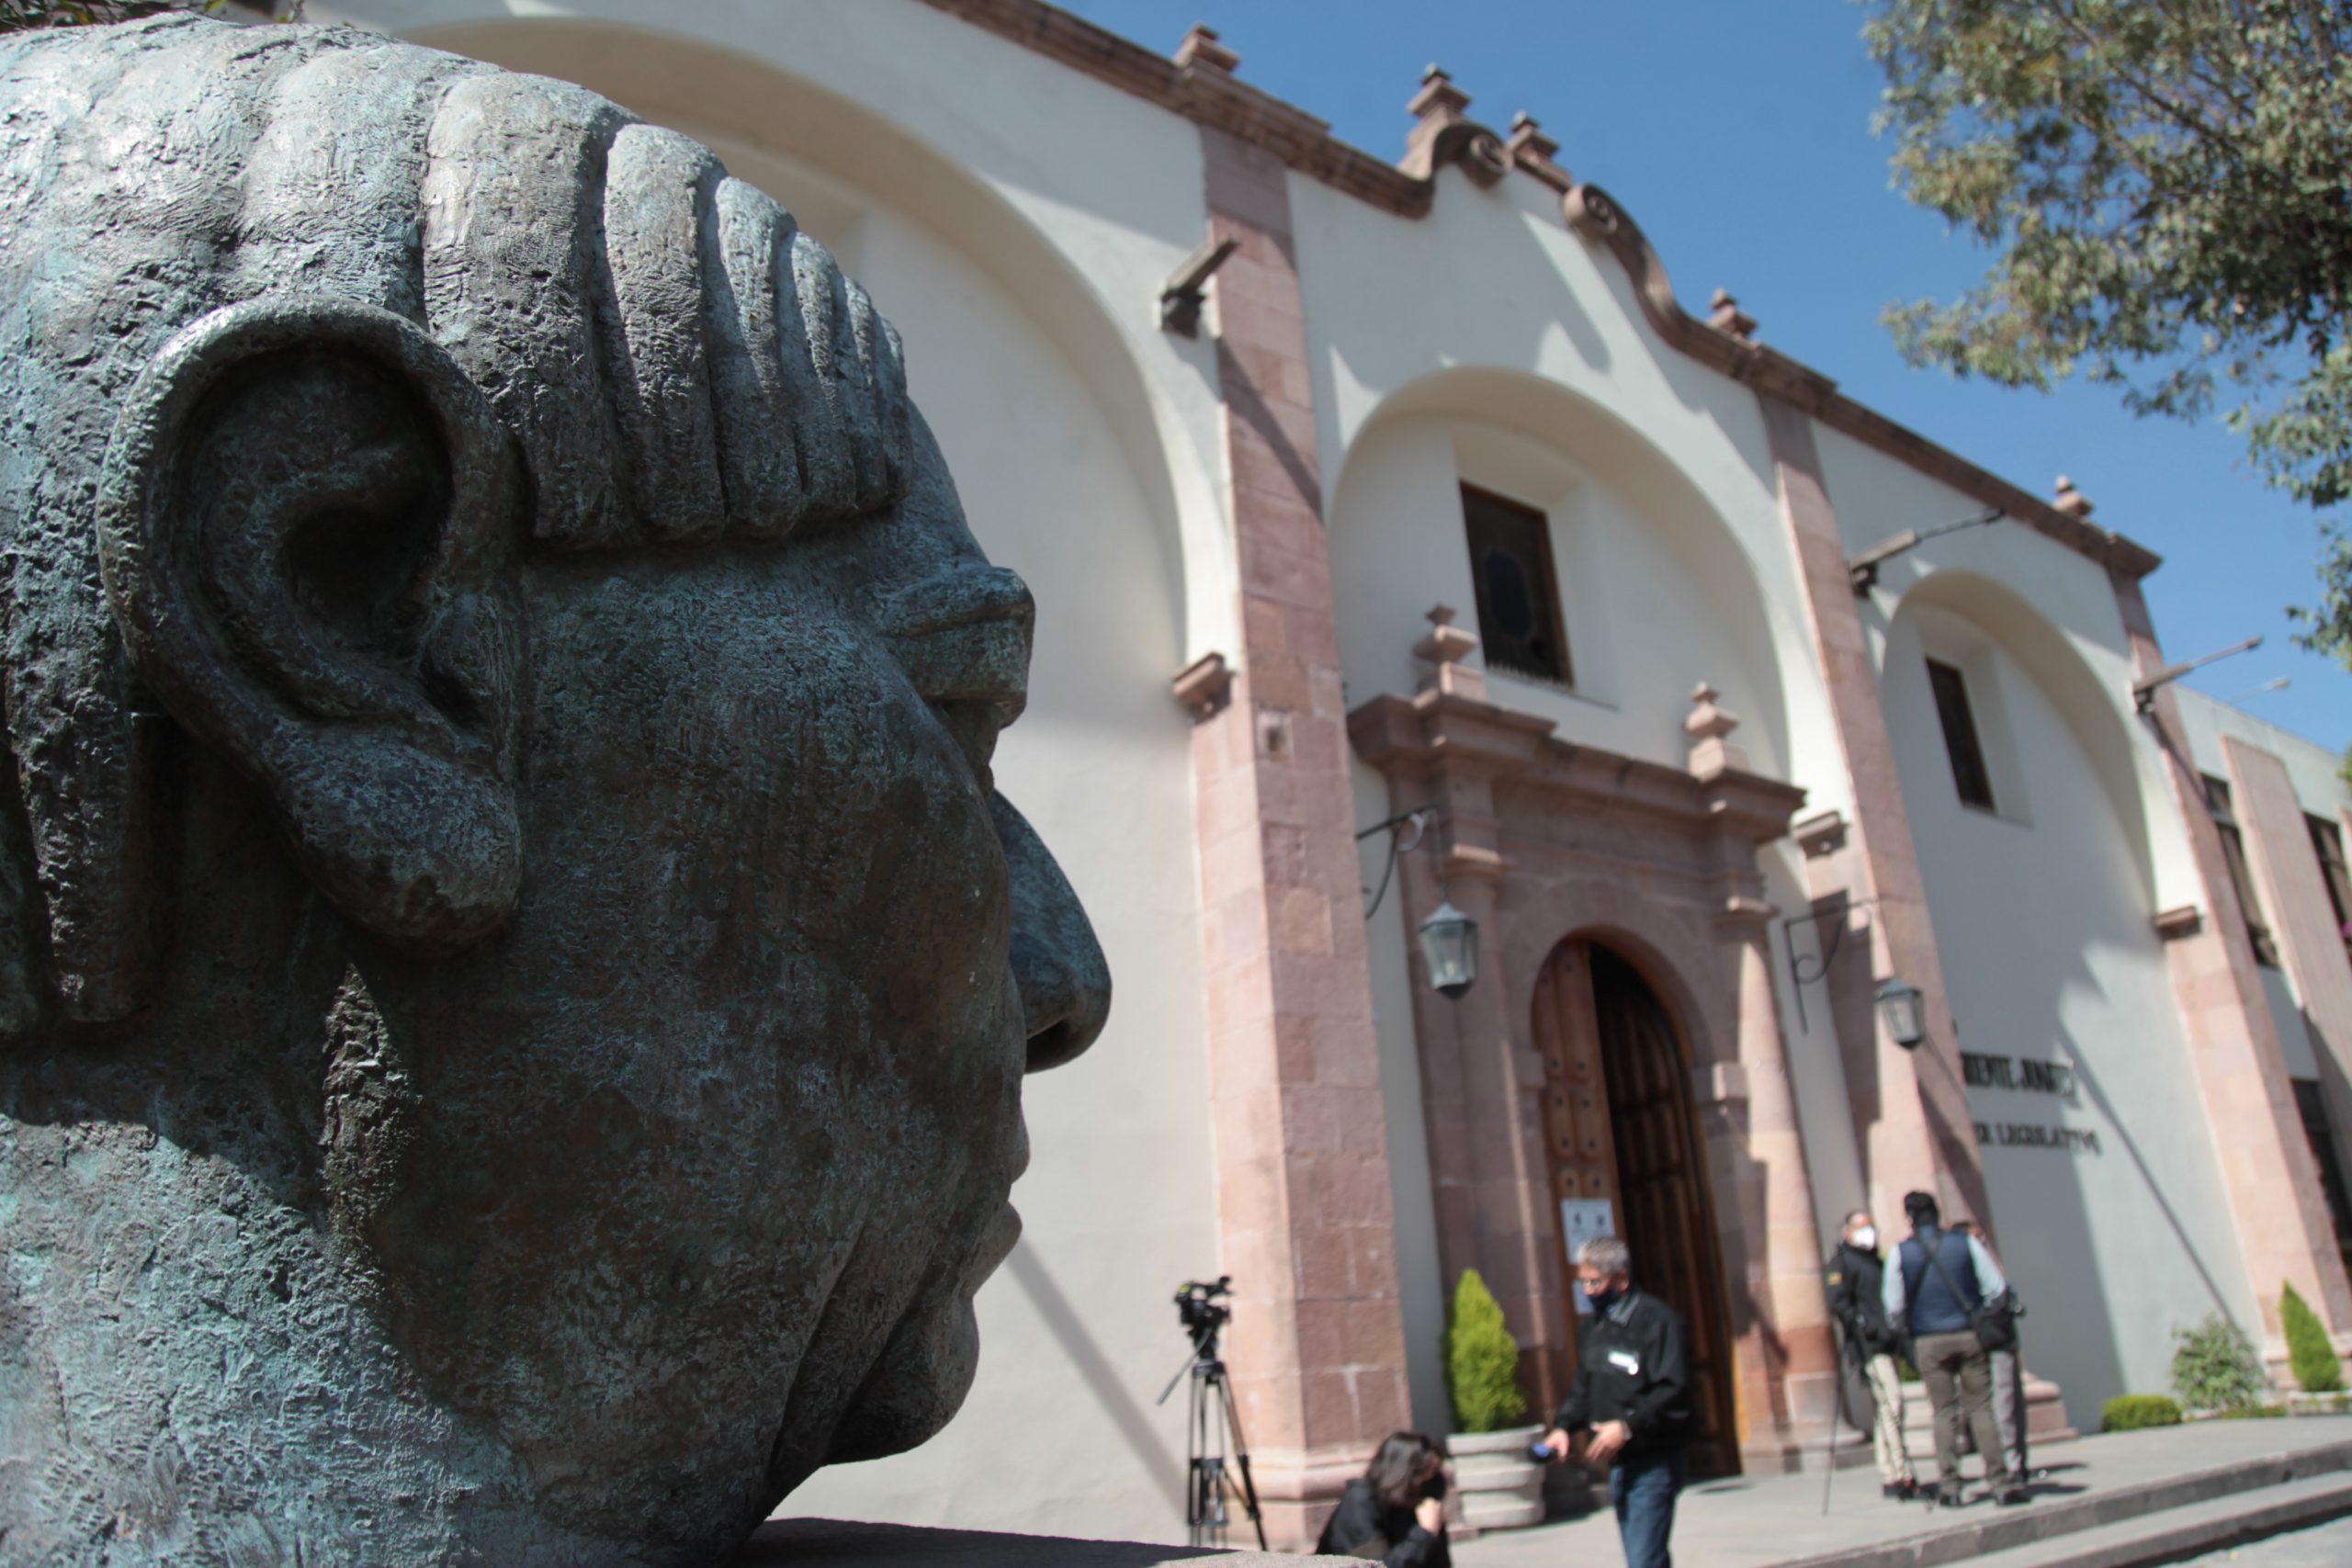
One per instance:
(2176,1533)
(2241,1500)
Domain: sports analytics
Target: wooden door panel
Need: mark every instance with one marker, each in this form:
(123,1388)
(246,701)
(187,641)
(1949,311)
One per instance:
(1618,1125)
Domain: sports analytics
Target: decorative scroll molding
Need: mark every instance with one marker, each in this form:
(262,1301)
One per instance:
(1201,86)
(1594,214)
(1202,89)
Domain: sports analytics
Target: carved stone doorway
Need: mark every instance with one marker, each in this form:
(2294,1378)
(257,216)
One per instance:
(1620,1127)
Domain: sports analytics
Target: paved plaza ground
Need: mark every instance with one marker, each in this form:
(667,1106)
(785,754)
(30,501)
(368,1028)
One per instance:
(1746,1522)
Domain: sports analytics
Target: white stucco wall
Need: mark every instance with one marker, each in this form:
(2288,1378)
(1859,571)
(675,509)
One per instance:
(1646,613)
(1421,1284)
(1013,258)
(1523,345)
(2316,772)
(2316,775)
(2042,916)
(2053,605)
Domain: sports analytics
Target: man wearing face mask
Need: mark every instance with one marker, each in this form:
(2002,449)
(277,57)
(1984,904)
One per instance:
(1632,1389)
(1855,1276)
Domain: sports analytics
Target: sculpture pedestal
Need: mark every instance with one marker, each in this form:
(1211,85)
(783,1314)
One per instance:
(830,1543)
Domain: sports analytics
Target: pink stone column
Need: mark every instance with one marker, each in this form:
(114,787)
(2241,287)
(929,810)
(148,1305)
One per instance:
(1925,1134)
(1787,1360)
(1316,1347)
(2266,1168)
(1487,1156)
(2302,923)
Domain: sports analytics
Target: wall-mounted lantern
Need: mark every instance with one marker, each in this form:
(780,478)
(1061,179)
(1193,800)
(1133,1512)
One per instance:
(1450,949)
(1899,1010)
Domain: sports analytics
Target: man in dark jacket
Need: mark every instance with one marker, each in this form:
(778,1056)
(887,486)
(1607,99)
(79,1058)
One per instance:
(1632,1389)
(1942,1278)
(1855,1279)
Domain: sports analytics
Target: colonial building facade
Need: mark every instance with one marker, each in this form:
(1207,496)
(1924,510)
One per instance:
(1354,490)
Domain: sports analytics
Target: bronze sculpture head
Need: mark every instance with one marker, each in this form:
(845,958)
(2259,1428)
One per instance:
(513,978)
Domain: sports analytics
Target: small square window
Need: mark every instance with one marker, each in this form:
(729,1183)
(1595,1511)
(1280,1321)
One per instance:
(1519,597)
(1969,774)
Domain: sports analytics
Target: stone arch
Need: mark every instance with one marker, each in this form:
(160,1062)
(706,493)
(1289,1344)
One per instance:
(1623,1120)
(1666,946)
(2009,621)
(711,92)
(1761,647)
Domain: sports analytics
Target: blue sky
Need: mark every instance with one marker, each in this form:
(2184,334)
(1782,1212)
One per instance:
(1737,134)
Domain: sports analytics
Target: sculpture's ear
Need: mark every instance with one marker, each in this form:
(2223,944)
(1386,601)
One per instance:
(304,524)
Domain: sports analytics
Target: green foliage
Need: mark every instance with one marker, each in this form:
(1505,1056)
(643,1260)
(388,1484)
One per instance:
(2252,1413)
(2162,184)
(2214,1366)
(1481,1359)
(2133,1412)
(2307,1351)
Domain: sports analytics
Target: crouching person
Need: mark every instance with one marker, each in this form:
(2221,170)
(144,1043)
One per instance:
(1632,1391)
(1394,1512)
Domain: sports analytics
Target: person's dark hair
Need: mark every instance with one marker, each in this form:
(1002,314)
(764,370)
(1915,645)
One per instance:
(1402,1468)
(1922,1209)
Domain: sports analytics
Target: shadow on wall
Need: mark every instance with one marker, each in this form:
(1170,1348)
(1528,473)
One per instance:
(1102,1379)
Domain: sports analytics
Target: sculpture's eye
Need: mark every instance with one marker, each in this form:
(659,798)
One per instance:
(963,640)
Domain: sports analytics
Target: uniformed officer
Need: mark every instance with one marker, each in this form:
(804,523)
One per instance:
(1855,1279)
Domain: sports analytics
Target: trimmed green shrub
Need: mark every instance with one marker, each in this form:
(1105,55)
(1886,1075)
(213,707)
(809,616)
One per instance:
(2133,1412)
(2253,1413)
(2307,1351)
(2214,1366)
(1481,1360)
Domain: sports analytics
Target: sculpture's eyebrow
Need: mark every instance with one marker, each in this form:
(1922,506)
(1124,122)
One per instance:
(962,635)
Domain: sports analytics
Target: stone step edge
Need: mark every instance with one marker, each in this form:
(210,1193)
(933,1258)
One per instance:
(2049,1517)
(2161,1540)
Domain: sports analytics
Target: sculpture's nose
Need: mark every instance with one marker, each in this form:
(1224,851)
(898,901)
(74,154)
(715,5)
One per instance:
(1065,983)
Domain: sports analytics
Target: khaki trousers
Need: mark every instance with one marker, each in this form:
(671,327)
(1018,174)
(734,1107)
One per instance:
(1886,1421)
(1959,1376)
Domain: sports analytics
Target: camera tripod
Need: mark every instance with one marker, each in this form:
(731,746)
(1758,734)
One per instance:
(1209,1486)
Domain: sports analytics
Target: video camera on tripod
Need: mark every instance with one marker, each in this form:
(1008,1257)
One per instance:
(1213,1421)
(1203,1319)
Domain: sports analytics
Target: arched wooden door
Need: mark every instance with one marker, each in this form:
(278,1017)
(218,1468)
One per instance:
(1621,1129)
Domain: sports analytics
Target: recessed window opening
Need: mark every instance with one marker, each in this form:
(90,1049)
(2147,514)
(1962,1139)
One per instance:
(1969,774)
(2257,929)
(2312,1106)
(1519,625)
(2328,843)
